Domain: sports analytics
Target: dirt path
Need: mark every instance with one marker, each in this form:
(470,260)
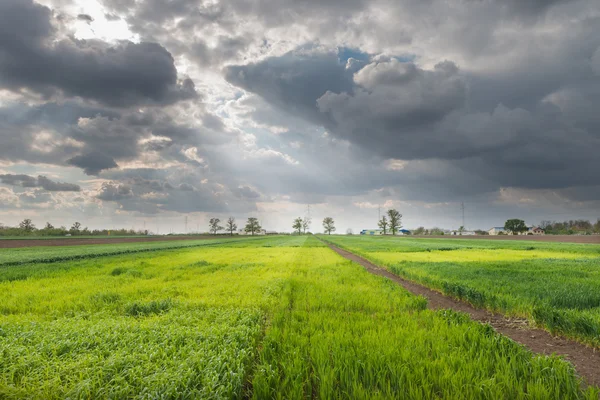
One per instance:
(586,360)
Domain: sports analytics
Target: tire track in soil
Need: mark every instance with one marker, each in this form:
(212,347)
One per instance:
(586,360)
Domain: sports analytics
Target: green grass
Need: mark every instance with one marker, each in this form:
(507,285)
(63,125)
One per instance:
(281,317)
(49,254)
(556,285)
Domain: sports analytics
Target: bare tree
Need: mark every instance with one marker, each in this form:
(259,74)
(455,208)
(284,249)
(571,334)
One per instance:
(306,224)
(214,225)
(298,225)
(395,222)
(383,224)
(328,225)
(49,226)
(252,226)
(27,225)
(231,225)
(76,227)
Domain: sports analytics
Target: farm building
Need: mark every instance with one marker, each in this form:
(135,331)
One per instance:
(534,230)
(403,232)
(498,230)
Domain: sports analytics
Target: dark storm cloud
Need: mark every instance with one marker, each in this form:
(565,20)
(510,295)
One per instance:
(27,181)
(125,74)
(93,163)
(294,81)
(399,110)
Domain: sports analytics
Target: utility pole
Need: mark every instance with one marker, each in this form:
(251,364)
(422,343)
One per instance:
(462,207)
(186,219)
(378,213)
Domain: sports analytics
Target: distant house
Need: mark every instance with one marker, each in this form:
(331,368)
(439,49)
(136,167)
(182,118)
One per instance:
(498,230)
(535,230)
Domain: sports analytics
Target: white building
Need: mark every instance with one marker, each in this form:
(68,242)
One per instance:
(497,230)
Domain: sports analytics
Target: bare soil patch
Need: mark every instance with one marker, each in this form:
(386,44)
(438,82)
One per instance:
(585,359)
(15,243)
(542,238)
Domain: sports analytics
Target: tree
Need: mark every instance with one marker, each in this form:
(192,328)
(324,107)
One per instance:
(27,225)
(515,226)
(76,226)
(328,225)
(298,225)
(395,222)
(597,226)
(214,225)
(349,231)
(231,225)
(383,224)
(48,226)
(252,226)
(306,224)
(461,229)
(419,231)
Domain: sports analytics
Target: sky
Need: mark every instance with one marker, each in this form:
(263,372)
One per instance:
(142,113)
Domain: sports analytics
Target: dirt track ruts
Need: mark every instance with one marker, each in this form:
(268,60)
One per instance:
(585,359)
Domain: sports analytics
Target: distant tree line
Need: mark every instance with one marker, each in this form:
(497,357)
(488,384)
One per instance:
(572,227)
(435,231)
(28,228)
(252,226)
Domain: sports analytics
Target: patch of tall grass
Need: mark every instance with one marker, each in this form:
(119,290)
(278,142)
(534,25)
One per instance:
(555,285)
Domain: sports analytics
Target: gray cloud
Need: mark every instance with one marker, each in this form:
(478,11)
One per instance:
(114,192)
(41,181)
(430,103)
(125,74)
(85,17)
(93,163)
(399,110)
(245,192)
(294,81)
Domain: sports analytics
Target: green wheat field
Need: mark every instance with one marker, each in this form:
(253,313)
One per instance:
(287,318)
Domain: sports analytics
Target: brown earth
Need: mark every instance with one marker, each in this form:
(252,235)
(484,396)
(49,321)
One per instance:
(585,359)
(542,238)
(14,243)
